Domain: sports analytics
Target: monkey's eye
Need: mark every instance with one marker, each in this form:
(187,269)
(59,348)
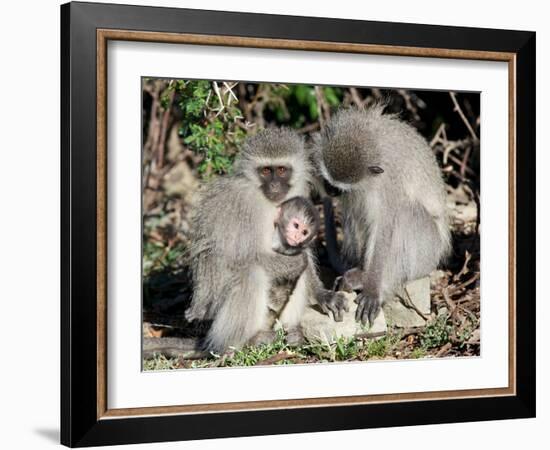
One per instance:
(304,232)
(281,171)
(296,225)
(266,171)
(376,169)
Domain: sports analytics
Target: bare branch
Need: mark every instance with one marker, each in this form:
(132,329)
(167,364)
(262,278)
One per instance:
(463,117)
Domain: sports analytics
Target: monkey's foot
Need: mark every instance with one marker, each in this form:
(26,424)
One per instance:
(263,338)
(335,302)
(195,314)
(368,308)
(295,337)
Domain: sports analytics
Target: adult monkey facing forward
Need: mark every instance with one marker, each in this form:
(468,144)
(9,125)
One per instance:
(233,262)
(393,202)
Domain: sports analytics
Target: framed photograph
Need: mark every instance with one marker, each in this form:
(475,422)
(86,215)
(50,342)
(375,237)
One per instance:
(277,224)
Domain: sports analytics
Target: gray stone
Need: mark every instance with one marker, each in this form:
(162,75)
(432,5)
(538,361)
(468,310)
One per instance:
(400,311)
(317,326)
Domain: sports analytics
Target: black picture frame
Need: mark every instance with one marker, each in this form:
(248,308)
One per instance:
(81,424)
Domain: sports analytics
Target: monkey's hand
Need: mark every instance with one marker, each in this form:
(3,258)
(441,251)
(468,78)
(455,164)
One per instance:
(335,302)
(195,313)
(368,308)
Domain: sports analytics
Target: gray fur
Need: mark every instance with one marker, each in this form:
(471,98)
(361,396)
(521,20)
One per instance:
(234,266)
(395,223)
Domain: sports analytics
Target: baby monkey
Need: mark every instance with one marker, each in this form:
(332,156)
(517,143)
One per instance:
(296,226)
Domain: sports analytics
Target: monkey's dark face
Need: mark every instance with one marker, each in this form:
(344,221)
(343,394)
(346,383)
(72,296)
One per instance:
(348,162)
(275,181)
(348,154)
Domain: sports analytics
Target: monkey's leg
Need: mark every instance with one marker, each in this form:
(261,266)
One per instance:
(196,311)
(263,338)
(404,247)
(422,243)
(243,311)
(295,337)
(206,269)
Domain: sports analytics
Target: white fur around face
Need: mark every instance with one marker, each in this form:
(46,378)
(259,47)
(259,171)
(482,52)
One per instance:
(326,175)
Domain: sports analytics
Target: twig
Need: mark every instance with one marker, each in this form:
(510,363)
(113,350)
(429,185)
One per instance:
(410,304)
(281,356)
(474,194)
(322,107)
(464,269)
(450,303)
(457,161)
(444,350)
(404,332)
(458,288)
(164,131)
(217,92)
(463,117)
(356,97)
(230,90)
(309,128)
(153,131)
(465,160)
(437,136)
(409,103)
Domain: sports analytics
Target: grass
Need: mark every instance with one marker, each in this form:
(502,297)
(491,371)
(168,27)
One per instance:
(279,353)
(159,362)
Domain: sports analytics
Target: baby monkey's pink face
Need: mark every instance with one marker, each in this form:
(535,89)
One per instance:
(297,231)
(296,226)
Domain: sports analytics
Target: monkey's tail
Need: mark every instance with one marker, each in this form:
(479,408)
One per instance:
(330,237)
(174,347)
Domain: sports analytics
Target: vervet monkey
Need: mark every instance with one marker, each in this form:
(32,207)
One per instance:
(296,226)
(393,202)
(235,268)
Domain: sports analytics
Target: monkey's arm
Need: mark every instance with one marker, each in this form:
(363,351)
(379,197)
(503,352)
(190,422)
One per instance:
(379,251)
(283,266)
(329,301)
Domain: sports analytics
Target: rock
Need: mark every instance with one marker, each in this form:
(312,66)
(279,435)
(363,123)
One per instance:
(400,314)
(317,326)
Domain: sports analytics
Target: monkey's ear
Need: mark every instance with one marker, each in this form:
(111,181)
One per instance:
(376,169)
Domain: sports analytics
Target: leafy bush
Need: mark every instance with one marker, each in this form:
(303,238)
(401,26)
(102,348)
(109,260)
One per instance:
(437,333)
(209,122)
